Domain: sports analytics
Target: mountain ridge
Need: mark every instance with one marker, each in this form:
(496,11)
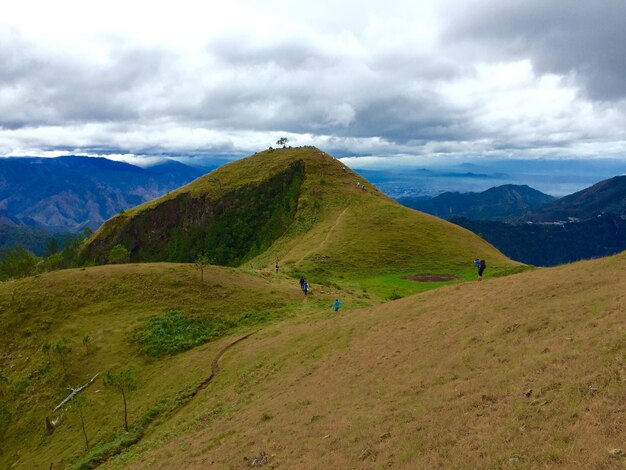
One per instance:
(606,196)
(505,202)
(70,193)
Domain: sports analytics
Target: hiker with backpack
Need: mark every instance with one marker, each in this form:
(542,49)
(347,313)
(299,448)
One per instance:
(480,265)
(305,287)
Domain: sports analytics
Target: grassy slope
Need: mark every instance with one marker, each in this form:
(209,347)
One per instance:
(109,303)
(342,234)
(359,242)
(437,379)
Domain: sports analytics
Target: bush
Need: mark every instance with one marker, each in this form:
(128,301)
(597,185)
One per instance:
(17,262)
(176,332)
(394,296)
(119,254)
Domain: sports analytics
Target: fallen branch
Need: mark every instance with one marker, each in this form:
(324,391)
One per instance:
(76,392)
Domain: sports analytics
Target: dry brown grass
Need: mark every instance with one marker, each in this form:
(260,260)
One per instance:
(435,380)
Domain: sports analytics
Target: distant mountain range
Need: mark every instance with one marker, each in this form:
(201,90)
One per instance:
(73,192)
(605,197)
(500,203)
(588,224)
(32,238)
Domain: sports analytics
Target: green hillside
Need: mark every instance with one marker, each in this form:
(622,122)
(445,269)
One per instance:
(168,325)
(521,371)
(527,371)
(303,208)
(146,317)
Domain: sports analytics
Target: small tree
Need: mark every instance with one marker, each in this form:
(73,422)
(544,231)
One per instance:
(79,403)
(123,382)
(201,262)
(282,141)
(119,254)
(61,350)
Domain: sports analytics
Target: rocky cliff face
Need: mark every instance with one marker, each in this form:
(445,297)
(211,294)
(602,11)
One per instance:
(228,229)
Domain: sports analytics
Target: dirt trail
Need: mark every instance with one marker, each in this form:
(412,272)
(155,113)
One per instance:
(330,231)
(215,364)
(169,415)
(339,219)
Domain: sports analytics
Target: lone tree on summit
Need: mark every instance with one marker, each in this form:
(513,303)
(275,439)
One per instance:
(282,141)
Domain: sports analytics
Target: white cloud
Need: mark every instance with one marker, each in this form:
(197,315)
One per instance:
(401,78)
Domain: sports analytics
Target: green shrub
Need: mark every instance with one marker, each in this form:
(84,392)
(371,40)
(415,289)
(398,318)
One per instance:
(21,385)
(176,332)
(394,296)
(119,254)
(17,262)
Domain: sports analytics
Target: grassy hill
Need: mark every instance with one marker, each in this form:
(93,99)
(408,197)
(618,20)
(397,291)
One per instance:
(525,371)
(146,317)
(303,208)
(522,371)
(170,328)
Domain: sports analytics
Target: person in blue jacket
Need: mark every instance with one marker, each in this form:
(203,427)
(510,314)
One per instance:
(480,265)
(336,305)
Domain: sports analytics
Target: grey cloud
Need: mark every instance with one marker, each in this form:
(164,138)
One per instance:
(244,50)
(297,86)
(294,86)
(560,36)
(63,89)
(148,99)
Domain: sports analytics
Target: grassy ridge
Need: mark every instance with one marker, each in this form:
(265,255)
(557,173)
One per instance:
(523,372)
(329,224)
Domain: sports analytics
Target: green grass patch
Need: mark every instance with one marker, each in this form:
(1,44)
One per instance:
(176,332)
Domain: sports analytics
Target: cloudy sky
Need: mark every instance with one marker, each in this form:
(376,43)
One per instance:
(392,81)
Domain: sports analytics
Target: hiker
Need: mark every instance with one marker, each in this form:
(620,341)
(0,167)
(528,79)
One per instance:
(336,305)
(305,287)
(276,265)
(480,265)
(302,281)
